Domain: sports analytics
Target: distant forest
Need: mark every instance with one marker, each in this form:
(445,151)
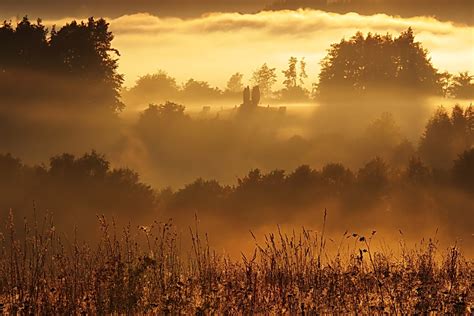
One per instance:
(87,184)
(81,187)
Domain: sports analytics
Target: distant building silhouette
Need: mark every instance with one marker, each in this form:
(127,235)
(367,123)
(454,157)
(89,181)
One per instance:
(251,100)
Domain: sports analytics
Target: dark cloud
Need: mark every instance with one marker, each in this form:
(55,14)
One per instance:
(53,9)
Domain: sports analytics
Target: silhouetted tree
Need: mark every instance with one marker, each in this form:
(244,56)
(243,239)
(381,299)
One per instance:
(71,185)
(303,185)
(235,84)
(62,165)
(463,170)
(200,195)
(303,75)
(363,65)
(435,142)
(255,96)
(445,137)
(291,73)
(400,154)
(417,172)
(199,90)
(374,176)
(337,177)
(251,180)
(167,113)
(78,58)
(382,136)
(462,86)
(265,78)
(156,87)
(294,90)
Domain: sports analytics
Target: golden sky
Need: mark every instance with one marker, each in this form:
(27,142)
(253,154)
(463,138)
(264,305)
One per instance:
(214,46)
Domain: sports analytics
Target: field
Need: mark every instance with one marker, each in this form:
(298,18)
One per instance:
(144,270)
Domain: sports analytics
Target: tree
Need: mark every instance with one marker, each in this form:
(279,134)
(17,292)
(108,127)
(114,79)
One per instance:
(201,194)
(382,135)
(435,144)
(463,170)
(93,165)
(235,84)
(462,86)
(302,177)
(290,74)
(167,112)
(446,136)
(374,176)
(265,78)
(255,96)
(153,88)
(89,165)
(336,176)
(469,115)
(417,172)
(363,65)
(84,52)
(303,74)
(79,61)
(199,90)
(294,90)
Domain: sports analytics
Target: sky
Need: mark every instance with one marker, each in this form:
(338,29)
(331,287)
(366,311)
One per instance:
(213,46)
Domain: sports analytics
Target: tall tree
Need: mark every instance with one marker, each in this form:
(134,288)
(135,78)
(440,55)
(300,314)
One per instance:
(369,64)
(157,87)
(463,170)
(445,137)
(462,86)
(303,74)
(85,52)
(78,61)
(235,84)
(290,73)
(265,78)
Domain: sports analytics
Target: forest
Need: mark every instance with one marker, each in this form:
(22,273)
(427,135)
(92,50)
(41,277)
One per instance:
(104,180)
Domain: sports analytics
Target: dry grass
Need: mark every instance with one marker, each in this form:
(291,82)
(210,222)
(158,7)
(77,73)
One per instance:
(142,271)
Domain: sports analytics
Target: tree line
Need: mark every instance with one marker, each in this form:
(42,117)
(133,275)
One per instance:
(77,66)
(360,66)
(70,185)
(445,158)
(87,185)
(71,67)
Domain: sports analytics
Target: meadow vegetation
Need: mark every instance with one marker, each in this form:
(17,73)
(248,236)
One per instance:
(143,270)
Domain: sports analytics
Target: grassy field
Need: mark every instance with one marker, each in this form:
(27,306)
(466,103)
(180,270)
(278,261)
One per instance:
(144,270)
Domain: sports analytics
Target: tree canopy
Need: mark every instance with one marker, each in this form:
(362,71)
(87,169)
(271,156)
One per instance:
(447,135)
(73,66)
(366,64)
(265,77)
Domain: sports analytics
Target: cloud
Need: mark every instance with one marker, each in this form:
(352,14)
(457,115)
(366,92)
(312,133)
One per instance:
(287,22)
(215,45)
